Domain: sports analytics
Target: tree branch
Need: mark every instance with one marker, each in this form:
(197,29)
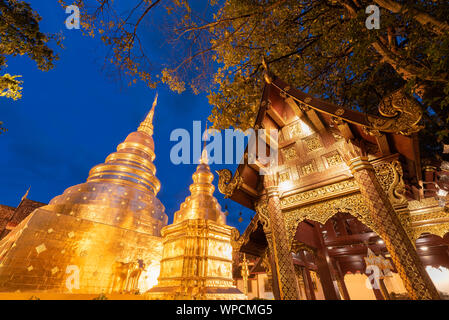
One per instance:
(438,27)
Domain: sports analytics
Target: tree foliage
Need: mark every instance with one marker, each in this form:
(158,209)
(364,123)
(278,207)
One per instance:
(320,46)
(20,35)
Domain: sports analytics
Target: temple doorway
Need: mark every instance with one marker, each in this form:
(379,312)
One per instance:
(335,255)
(330,262)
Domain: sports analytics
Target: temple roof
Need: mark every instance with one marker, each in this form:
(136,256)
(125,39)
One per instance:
(10,217)
(282,107)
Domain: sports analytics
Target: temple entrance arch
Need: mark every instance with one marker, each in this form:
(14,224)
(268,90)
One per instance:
(322,211)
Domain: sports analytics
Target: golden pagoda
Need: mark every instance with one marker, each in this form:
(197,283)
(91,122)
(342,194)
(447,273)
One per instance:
(99,236)
(197,255)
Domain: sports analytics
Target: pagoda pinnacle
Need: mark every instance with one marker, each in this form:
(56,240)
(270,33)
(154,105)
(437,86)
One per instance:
(147,125)
(204,159)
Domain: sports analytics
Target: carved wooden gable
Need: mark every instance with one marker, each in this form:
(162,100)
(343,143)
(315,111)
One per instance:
(308,156)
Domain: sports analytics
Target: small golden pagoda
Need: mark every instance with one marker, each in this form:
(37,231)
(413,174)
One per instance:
(99,236)
(197,255)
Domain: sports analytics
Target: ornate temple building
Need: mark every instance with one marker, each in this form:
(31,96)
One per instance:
(103,235)
(349,189)
(197,256)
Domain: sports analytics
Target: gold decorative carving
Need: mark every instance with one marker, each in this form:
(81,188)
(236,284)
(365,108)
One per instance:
(339,112)
(236,239)
(308,100)
(284,176)
(266,262)
(386,223)
(429,216)
(321,193)
(424,203)
(295,130)
(262,213)
(439,229)
(324,210)
(313,143)
(299,246)
(390,174)
(280,249)
(289,153)
(308,168)
(333,159)
(226,183)
(400,114)
(304,107)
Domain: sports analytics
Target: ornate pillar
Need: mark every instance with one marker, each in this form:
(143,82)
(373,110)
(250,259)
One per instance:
(279,246)
(245,274)
(383,219)
(325,268)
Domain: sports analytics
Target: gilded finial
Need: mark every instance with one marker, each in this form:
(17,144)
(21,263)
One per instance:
(147,125)
(204,159)
(26,194)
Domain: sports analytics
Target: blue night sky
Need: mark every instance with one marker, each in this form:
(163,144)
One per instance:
(70,118)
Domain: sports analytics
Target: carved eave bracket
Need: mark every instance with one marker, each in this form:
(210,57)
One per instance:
(399,114)
(236,240)
(227,184)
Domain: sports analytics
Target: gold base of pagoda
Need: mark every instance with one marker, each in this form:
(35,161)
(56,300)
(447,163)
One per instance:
(56,253)
(172,293)
(196,263)
(67,296)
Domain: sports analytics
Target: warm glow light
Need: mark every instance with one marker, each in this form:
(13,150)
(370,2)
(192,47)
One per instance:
(424,248)
(305,128)
(440,277)
(442,193)
(148,278)
(285,185)
(380,242)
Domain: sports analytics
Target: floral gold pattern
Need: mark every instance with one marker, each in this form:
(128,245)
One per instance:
(289,153)
(313,143)
(332,190)
(308,168)
(333,159)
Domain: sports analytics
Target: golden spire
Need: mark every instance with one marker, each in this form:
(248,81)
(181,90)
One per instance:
(201,204)
(147,125)
(121,191)
(204,159)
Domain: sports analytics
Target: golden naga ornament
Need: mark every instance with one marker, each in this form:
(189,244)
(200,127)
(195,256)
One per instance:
(400,114)
(227,183)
